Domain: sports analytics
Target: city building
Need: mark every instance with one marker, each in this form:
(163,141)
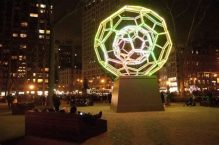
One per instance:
(24,44)
(69,56)
(69,67)
(194,68)
(70,81)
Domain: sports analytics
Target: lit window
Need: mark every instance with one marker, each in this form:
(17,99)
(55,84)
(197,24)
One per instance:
(23,35)
(46,69)
(13,57)
(34,80)
(41,36)
(47,31)
(1,45)
(42,11)
(41,31)
(34,74)
(39,80)
(24,24)
(33,15)
(15,35)
(42,5)
(23,46)
(75,54)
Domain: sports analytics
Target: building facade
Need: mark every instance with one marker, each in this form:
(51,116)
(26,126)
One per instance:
(194,68)
(70,81)
(69,67)
(24,44)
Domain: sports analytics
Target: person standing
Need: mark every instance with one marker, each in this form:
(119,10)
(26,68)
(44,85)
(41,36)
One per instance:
(56,102)
(9,98)
(162,98)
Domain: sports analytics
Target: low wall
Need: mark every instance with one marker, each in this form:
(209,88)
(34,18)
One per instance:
(65,126)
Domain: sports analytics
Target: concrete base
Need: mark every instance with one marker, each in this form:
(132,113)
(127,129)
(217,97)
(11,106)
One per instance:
(134,94)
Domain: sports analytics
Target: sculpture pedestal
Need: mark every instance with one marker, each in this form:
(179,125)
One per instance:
(134,94)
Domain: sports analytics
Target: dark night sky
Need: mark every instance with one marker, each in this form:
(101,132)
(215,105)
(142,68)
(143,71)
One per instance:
(70,28)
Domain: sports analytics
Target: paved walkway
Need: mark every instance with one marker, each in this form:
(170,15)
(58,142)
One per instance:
(30,140)
(177,125)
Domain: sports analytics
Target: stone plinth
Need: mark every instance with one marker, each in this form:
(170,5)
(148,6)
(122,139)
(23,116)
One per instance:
(133,94)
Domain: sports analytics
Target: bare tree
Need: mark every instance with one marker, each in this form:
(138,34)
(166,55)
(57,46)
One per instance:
(198,15)
(197,19)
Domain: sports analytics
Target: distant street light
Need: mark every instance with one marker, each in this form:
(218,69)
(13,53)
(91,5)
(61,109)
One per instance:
(102,81)
(31,87)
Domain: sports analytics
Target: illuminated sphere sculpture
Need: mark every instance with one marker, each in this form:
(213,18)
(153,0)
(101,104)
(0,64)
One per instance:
(134,41)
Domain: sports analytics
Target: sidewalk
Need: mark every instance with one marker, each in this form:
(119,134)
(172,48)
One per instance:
(30,140)
(4,107)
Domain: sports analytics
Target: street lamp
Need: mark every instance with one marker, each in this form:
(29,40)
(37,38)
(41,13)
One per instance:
(102,81)
(31,87)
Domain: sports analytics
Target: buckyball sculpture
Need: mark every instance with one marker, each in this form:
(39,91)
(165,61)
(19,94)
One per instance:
(133,43)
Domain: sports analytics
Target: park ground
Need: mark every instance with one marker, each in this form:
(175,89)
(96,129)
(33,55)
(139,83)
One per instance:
(177,125)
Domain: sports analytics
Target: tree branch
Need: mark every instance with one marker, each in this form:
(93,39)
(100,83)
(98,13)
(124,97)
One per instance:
(193,22)
(201,18)
(183,11)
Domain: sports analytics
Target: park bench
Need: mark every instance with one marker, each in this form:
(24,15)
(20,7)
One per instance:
(64,126)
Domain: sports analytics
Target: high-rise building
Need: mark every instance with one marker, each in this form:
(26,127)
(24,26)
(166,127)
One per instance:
(24,44)
(69,67)
(69,55)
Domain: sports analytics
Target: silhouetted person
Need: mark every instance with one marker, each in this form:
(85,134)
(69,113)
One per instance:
(56,102)
(210,98)
(73,109)
(191,101)
(162,97)
(88,117)
(9,98)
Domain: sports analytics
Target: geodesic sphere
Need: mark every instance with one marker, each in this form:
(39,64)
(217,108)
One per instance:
(132,41)
(132,45)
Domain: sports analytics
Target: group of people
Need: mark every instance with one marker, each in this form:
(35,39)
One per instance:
(85,116)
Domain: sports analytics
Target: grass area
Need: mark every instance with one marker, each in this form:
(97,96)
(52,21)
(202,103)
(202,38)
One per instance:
(178,125)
